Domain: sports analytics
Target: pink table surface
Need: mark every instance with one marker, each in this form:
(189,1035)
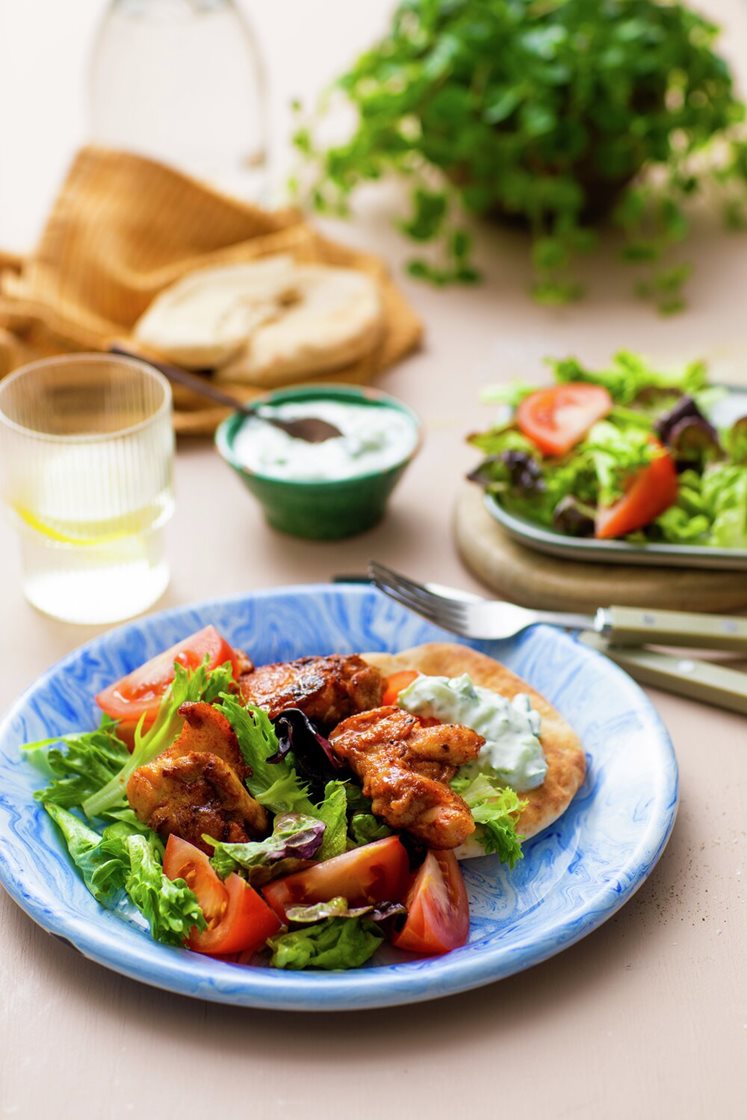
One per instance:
(646,1017)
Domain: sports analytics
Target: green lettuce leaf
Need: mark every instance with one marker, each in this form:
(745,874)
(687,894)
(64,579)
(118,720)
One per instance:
(336,943)
(630,374)
(123,858)
(734,441)
(502,438)
(274,784)
(187,687)
(509,395)
(333,813)
(711,509)
(495,809)
(365,828)
(724,489)
(103,873)
(169,906)
(89,761)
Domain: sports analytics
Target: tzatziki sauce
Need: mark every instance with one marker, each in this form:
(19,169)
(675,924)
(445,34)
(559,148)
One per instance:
(511,728)
(373,438)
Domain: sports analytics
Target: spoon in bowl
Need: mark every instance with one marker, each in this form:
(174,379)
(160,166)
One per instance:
(311,429)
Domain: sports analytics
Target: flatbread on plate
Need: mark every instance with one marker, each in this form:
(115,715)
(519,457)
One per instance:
(566,762)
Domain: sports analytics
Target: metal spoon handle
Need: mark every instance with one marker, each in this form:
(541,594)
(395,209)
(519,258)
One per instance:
(191,381)
(311,429)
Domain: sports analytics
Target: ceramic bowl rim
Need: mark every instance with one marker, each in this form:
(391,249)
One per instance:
(224,441)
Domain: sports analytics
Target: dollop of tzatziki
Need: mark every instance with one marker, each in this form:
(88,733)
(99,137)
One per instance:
(373,438)
(511,728)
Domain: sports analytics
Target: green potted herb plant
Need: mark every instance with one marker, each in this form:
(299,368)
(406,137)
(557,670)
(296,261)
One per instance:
(555,114)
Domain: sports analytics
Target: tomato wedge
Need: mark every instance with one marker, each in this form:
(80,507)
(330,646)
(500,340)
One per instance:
(238,919)
(395,683)
(437,908)
(245,926)
(653,490)
(140,692)
(557,418)
(377,872)
(183,860)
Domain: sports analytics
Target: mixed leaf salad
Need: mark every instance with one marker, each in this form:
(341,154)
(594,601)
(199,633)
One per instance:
(624,452)
(326,885)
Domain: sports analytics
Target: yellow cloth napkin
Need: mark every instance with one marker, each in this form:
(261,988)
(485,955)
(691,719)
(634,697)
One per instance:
(122,229)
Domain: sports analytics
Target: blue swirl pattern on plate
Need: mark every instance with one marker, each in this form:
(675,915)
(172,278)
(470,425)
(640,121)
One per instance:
(574,876)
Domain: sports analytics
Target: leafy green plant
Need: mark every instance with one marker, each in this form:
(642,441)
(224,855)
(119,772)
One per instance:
(556,114)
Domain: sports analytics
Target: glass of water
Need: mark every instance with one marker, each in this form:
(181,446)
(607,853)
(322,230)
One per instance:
(86,457)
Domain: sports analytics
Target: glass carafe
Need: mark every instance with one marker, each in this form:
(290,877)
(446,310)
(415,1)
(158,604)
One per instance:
(181,81)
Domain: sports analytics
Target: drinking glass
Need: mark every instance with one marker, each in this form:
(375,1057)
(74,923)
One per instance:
(182,81)
(86,455)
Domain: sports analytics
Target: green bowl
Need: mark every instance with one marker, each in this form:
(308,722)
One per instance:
(329,509)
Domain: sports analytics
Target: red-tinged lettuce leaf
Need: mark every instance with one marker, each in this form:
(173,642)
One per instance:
(519,471)
(296,839)
(338,908)
(688,434)
(313,758)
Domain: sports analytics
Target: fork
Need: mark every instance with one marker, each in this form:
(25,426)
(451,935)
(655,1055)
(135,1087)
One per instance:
(473,617)
(706,681)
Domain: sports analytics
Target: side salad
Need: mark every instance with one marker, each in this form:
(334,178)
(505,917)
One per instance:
(326,885)
(625,452)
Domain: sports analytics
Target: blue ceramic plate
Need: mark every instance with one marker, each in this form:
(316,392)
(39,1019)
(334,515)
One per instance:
(573,877)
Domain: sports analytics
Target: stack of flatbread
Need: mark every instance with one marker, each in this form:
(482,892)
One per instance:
(136,255)
(264,322)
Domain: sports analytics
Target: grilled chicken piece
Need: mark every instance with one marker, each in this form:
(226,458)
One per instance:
(326,689)
(206,729)
(197,785)
(404,767)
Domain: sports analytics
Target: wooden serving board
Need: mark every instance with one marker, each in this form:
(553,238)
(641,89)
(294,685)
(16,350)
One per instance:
(533,579)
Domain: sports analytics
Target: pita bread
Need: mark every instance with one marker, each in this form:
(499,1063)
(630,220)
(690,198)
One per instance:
(566,762)
(335,317)
(204,318)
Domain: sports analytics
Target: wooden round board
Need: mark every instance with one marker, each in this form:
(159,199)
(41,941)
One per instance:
(533,579)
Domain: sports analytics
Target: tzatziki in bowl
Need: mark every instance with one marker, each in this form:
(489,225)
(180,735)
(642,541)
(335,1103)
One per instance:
(325,490)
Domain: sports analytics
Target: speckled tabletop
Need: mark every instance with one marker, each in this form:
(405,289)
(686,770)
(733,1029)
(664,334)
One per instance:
(647,1016)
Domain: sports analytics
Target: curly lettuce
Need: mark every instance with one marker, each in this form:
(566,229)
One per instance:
(129,860)
(332,944)
(201,684)
(88,762)
(273,780)
(495,809)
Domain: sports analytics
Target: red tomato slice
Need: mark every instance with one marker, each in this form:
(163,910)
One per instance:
(437,908)
(246,924)
(653,490)
(558,418)
(140,692)
(377,872)
(238,919)
(183,860)
(396,683)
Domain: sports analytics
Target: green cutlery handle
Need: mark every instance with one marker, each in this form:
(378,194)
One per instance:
(697,680)
(637,626)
